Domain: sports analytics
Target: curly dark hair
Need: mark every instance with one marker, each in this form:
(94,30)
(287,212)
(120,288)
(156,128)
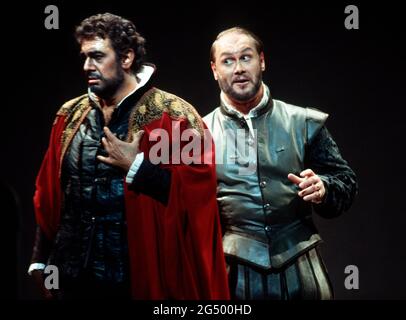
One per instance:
(121,32)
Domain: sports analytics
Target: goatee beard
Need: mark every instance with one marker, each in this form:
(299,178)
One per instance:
(109,87)
(242,97)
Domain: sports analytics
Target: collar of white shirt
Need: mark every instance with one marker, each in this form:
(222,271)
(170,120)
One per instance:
(143,75)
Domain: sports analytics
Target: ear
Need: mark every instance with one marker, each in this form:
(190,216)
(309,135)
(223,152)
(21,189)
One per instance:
(128,59)
(262,61)
(213,68)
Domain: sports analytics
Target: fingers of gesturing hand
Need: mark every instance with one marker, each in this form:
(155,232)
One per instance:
(106,144)
(120,153)
(307,182)
(315,197)
(307,173)
(312,187)
(107,160)
(313,193)
(294,178)
(111,138)
(137,138)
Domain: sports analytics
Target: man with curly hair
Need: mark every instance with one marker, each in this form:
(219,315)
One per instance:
(113,221)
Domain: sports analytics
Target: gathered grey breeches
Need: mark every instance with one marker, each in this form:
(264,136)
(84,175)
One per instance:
(305,278)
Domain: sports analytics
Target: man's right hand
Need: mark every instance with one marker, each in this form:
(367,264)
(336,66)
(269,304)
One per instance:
(38,276)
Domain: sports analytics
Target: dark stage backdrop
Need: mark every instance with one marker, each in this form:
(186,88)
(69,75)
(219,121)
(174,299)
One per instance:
(357,76)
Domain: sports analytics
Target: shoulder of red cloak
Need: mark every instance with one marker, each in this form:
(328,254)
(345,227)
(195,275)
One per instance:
(69,106)
(47,197)
(187,231)
(155,102)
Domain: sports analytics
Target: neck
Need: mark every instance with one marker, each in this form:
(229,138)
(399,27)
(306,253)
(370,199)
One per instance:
(129,84)
(245,106)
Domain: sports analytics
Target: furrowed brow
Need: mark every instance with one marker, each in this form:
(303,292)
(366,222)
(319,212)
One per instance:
(246,50)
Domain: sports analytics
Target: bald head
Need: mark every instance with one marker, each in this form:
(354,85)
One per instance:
(235,32)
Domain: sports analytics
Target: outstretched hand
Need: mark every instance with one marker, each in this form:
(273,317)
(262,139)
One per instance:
(120,153)
(312,186)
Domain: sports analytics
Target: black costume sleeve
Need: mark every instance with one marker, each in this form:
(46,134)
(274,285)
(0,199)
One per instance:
(42,247)
(153,181)
(340,181)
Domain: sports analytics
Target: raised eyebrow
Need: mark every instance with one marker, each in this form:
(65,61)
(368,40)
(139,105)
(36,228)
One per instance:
(247,49)
(225,54)
(229,53)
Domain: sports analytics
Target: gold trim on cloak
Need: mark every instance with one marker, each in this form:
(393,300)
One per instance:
(75,112)
(154,103)
(149,108)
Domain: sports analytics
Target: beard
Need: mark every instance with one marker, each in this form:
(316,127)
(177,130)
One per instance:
(106,88)
(243,95)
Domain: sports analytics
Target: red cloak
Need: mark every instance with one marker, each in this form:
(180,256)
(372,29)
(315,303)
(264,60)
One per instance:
(175,250)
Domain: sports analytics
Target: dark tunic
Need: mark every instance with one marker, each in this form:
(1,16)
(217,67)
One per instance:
(91,249)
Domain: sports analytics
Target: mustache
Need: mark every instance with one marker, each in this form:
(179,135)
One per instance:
(93,75)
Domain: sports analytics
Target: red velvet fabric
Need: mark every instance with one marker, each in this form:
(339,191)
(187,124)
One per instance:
(47,197)
(175,250)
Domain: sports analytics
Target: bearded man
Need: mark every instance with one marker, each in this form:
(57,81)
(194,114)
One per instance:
(114,221)
(276,163)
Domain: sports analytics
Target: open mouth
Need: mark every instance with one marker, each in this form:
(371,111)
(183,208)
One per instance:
(241,81)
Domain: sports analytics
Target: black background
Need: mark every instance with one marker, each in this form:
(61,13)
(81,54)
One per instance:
(357,76)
